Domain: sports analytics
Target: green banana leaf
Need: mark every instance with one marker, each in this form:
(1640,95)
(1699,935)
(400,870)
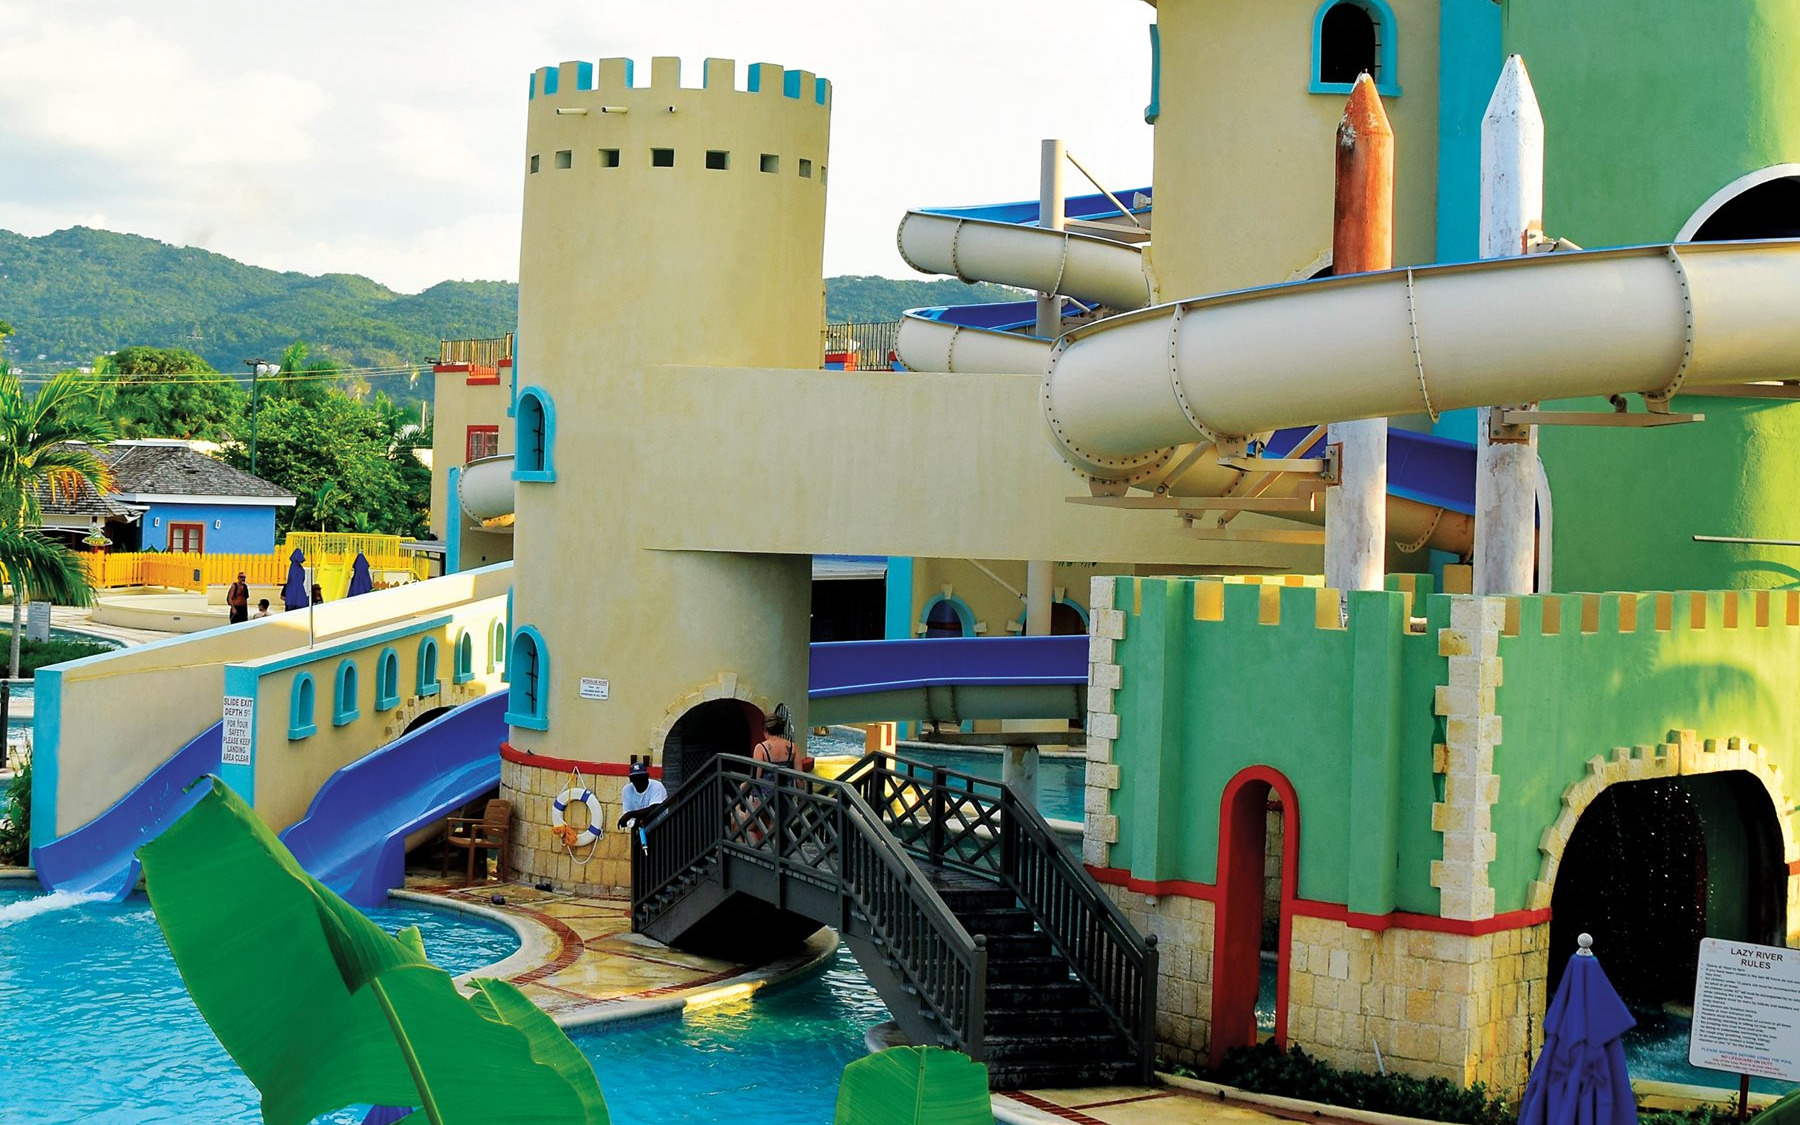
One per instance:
(914,1086)
(323,1009)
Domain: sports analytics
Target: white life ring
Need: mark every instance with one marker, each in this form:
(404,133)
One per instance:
(586,796)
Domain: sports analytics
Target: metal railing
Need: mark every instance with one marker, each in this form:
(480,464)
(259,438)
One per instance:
(821,832)
(192,570)
(862,347)
(982,826)
(475,353)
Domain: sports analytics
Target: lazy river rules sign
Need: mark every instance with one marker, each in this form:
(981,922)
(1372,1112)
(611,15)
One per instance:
(1747,1010)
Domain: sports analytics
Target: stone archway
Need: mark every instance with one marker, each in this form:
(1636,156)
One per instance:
(724,687)
(1685,754)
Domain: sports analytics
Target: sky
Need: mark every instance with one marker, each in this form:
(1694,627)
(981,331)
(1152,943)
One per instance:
(386,137)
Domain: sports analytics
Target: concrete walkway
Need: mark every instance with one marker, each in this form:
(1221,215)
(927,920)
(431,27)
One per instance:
(69,617)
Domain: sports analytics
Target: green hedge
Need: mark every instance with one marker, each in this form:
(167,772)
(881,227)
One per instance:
(38,654)
(15,819)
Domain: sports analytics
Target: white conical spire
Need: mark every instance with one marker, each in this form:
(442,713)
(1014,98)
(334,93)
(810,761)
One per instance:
(1512,164)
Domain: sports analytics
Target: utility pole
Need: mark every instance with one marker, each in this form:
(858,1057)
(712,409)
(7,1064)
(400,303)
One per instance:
(1362,240)
(1512,213)
(258,368)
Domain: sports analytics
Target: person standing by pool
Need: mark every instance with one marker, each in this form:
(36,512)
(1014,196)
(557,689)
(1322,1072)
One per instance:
(237,600)
(262,609)
(318,595)
(642,798)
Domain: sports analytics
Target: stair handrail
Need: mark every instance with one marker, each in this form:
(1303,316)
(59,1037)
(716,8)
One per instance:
(959,999)
(1120,970)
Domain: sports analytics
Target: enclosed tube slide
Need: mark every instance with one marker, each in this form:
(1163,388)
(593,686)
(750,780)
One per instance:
(485,488)
(990,244)
(1124,393)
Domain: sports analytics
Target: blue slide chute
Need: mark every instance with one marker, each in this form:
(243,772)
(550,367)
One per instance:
(100,857)
(353,837)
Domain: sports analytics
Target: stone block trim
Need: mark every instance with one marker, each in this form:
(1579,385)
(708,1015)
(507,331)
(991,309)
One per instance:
(1683,754)
(1106,629)
(1471,648)
(1184,935)
(539,857)
(1468,1009)
(725,685)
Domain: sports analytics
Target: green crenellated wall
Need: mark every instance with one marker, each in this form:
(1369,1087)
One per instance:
(1344,713)
(1624,671)
(1649,110)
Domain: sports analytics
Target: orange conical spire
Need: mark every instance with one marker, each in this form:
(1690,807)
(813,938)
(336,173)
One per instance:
(1363,218)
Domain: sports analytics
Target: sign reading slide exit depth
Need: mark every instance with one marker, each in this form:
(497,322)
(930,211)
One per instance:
(1747,1010)
(240,716)
(595,689)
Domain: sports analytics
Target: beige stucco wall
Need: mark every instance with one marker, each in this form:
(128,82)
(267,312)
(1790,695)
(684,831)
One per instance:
(124,713)
(1244,154)
(457,406)
(290,771)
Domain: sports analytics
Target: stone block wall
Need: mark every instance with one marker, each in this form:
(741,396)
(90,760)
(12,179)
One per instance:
(1184,936)
(539,857)
(1438,1005)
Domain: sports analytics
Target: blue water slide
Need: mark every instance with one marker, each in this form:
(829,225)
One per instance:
(353,836)
(1433,470)
(1091,208)
(100,857)
(952,678)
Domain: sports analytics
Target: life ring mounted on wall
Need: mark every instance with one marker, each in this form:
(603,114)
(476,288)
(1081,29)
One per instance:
(573,838)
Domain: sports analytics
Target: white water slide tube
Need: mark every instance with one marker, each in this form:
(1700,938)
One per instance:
(1087,267)
(1123,392)
(485,489)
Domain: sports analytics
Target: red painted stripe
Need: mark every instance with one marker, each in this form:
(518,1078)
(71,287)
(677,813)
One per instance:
(540,761)
(1331,911)
(1052,1108)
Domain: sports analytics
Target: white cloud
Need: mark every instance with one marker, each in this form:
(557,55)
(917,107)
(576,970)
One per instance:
(384,138)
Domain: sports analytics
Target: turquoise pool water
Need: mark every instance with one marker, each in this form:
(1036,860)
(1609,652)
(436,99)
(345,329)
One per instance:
(143,1053)
(98,1027)
(1060,779)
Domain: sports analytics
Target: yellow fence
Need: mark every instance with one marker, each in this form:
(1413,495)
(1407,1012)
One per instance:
(330,555)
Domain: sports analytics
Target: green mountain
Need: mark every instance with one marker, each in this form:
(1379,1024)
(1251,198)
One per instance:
(78,293)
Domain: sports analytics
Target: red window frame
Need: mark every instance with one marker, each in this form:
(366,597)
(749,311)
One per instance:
(187,532)
(489,437)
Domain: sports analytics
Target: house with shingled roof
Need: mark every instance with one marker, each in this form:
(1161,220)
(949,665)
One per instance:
(169,496)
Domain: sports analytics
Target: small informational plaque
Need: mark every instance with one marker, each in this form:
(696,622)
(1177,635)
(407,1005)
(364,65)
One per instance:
(1747,1010)
(240,715)
(595,689)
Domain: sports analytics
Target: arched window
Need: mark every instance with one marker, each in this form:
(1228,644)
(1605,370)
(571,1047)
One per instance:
(300,707)
(534,436)
(1067,619)
(529,665)
(465,659)
(387,680)
(344,707)
(496,655)
(1349,37)
(947,616)
(428,676)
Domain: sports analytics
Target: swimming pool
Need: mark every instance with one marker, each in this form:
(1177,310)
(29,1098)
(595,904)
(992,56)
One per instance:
(1061,778)
(100,1029)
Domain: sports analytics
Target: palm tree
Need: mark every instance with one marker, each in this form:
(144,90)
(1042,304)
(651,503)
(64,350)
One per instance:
(46,447)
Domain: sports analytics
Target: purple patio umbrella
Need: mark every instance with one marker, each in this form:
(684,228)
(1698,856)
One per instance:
(360,582)
(1580,1078)
(294,594)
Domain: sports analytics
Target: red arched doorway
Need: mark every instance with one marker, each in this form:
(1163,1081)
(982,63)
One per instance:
(1238,907)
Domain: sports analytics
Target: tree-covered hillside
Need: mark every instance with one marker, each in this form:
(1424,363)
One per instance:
(80,293)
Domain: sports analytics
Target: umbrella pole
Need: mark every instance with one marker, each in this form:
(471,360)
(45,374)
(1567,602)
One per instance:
(1743,1096)
(312,604)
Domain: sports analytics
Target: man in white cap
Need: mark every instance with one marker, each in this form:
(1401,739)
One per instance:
(643,796)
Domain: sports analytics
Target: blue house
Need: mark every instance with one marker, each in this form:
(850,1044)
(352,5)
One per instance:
(188,501)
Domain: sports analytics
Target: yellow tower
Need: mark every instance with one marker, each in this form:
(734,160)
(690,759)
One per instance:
(1247,105)
(664,226)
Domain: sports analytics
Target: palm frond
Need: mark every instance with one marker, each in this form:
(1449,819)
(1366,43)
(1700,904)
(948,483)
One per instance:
(44,568)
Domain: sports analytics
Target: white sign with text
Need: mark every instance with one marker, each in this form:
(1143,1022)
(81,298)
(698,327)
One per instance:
(240,718)
(595,689)
(1747,1010)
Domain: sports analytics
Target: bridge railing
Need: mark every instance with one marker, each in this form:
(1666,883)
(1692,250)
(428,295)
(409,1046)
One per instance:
(821,831)
(960,820)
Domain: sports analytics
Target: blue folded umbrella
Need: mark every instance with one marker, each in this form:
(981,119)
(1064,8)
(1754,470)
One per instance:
(294,594)
(1580,1078)
(360,581)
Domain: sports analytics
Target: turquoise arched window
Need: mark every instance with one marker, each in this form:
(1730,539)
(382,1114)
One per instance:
(301,699)
(344,707)
(1349,37)
(465,659)
(527,703)
(428,667)
(947,616)
(496,653)
(534,436)
(387,680)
